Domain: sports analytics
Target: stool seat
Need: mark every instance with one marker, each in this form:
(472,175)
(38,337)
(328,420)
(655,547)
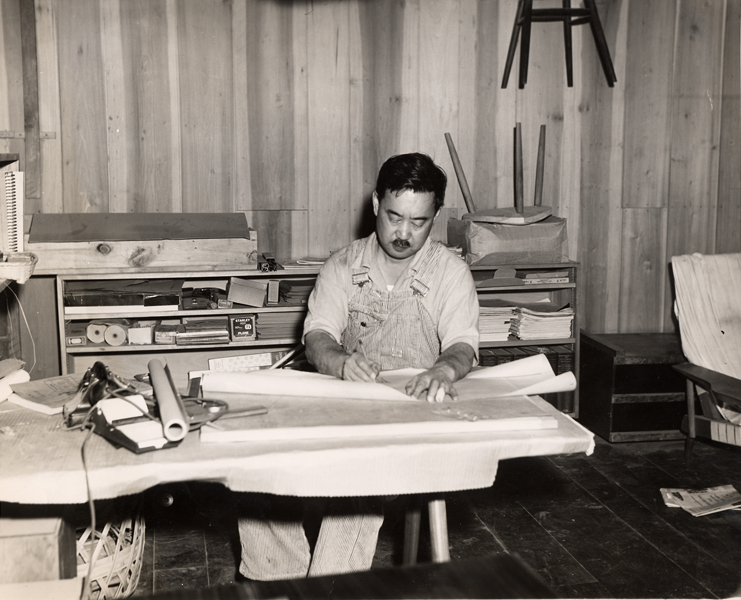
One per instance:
(570,17)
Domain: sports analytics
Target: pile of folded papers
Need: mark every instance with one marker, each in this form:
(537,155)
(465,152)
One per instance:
(529,324)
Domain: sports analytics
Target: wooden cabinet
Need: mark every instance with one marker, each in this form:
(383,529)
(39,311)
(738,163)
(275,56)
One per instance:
(542,287)
(278,327)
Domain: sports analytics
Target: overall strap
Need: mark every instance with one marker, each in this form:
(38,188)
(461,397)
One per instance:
(427,267)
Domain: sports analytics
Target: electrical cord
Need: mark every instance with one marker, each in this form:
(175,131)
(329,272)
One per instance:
(25,320)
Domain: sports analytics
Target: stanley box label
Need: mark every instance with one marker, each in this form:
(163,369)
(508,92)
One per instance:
(242,327)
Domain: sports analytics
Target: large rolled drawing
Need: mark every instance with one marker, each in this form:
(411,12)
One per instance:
(172,412)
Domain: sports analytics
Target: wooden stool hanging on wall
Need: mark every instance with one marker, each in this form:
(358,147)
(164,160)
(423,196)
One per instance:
(570,17)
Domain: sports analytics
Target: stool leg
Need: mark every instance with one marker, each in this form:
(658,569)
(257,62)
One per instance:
(439,531)
(513,44)
(601,42)
(568,45)
(412,521)
(527,23)
(689,441)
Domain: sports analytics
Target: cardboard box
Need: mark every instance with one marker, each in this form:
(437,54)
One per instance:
(242,328)
(498,244)
(247,291)
(76,334)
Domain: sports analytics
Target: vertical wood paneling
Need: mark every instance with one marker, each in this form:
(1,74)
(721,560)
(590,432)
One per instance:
(117,123)
(285,110)
(49,115)
(643,270)
(408,136)
(82,94)
(173,70)
(146,77)
(601,215)
(487,98)
(329,126)
(11,80)
(647,90)
(270,106)
(728,224)
(204,30)
(439,35)
(695,127)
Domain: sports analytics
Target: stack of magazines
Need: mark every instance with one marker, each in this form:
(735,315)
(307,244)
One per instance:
(528,324)
(495,322)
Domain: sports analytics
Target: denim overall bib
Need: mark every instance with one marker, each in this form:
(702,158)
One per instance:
(393,328)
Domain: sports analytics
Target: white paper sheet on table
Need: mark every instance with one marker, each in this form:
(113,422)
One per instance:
(528,376)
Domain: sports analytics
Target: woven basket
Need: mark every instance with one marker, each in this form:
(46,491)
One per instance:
(18,266)
(117,554)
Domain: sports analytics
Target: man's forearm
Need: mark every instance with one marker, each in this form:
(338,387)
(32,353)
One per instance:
(325,353)
(456,360)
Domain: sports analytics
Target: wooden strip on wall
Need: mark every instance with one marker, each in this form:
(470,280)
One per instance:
(439,35)
(696,109)
(49,109)
(648,79)
(505,111)
(490,30)
(728,223)
(11,79)
(300,55)
(601,214)
(466,110)
(270,106)
(643,270)
(408,139)
(241,13)
(145,74)
(205,51)
(116,91)
(329,126)
(32,168)
(173,77)
(82,96)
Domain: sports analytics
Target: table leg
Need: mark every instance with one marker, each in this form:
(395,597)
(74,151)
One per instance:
(439,531)
(411,534)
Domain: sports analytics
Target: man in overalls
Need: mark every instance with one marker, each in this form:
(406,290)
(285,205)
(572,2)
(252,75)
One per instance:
(393,300)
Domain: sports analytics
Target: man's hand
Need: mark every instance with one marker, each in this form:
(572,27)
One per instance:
(436,382)
(432,385)
(358,368)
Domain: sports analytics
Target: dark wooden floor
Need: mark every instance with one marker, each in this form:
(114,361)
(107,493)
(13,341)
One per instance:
(592,527)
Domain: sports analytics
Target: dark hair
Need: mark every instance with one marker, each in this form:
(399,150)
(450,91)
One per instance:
(415,172)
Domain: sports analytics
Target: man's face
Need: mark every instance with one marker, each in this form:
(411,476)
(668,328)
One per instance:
(403,222)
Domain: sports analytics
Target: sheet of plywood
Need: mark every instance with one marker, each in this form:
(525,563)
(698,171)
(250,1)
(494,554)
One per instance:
(290,418)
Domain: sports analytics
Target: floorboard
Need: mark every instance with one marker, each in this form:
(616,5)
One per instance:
(591,527)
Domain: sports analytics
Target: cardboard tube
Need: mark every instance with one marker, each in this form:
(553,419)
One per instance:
(172,412)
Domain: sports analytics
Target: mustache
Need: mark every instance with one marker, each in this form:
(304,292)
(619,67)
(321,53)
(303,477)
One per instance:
(401,243)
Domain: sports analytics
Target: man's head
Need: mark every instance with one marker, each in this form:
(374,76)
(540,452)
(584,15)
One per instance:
(409,193)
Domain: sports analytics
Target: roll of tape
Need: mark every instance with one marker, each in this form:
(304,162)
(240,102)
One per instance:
(96,333)
(115,335)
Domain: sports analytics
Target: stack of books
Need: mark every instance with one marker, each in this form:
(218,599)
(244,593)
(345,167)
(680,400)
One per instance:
(295,292)
(528,324)
(280,325)
(495,322)
(203,330)
(533,278)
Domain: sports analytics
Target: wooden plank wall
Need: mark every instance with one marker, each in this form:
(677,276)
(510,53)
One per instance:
(285,110)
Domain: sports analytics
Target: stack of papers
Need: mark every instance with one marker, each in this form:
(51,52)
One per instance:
(528,324)
(280,325)
(495,322)
(704,501)
(295,291)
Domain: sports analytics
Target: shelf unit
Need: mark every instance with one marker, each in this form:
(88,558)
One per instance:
(128,360)
(561,293)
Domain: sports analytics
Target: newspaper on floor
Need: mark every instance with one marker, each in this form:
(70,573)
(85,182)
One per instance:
(703,501)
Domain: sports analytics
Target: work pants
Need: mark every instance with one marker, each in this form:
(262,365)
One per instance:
(275,545)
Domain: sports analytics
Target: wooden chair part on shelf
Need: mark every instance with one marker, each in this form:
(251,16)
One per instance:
(707,290)
(527,15)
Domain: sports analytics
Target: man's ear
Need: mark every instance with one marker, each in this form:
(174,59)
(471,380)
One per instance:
(376,203)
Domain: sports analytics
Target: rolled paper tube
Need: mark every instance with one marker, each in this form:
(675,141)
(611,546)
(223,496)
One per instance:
(172,411)
(115,335)
(96,333)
